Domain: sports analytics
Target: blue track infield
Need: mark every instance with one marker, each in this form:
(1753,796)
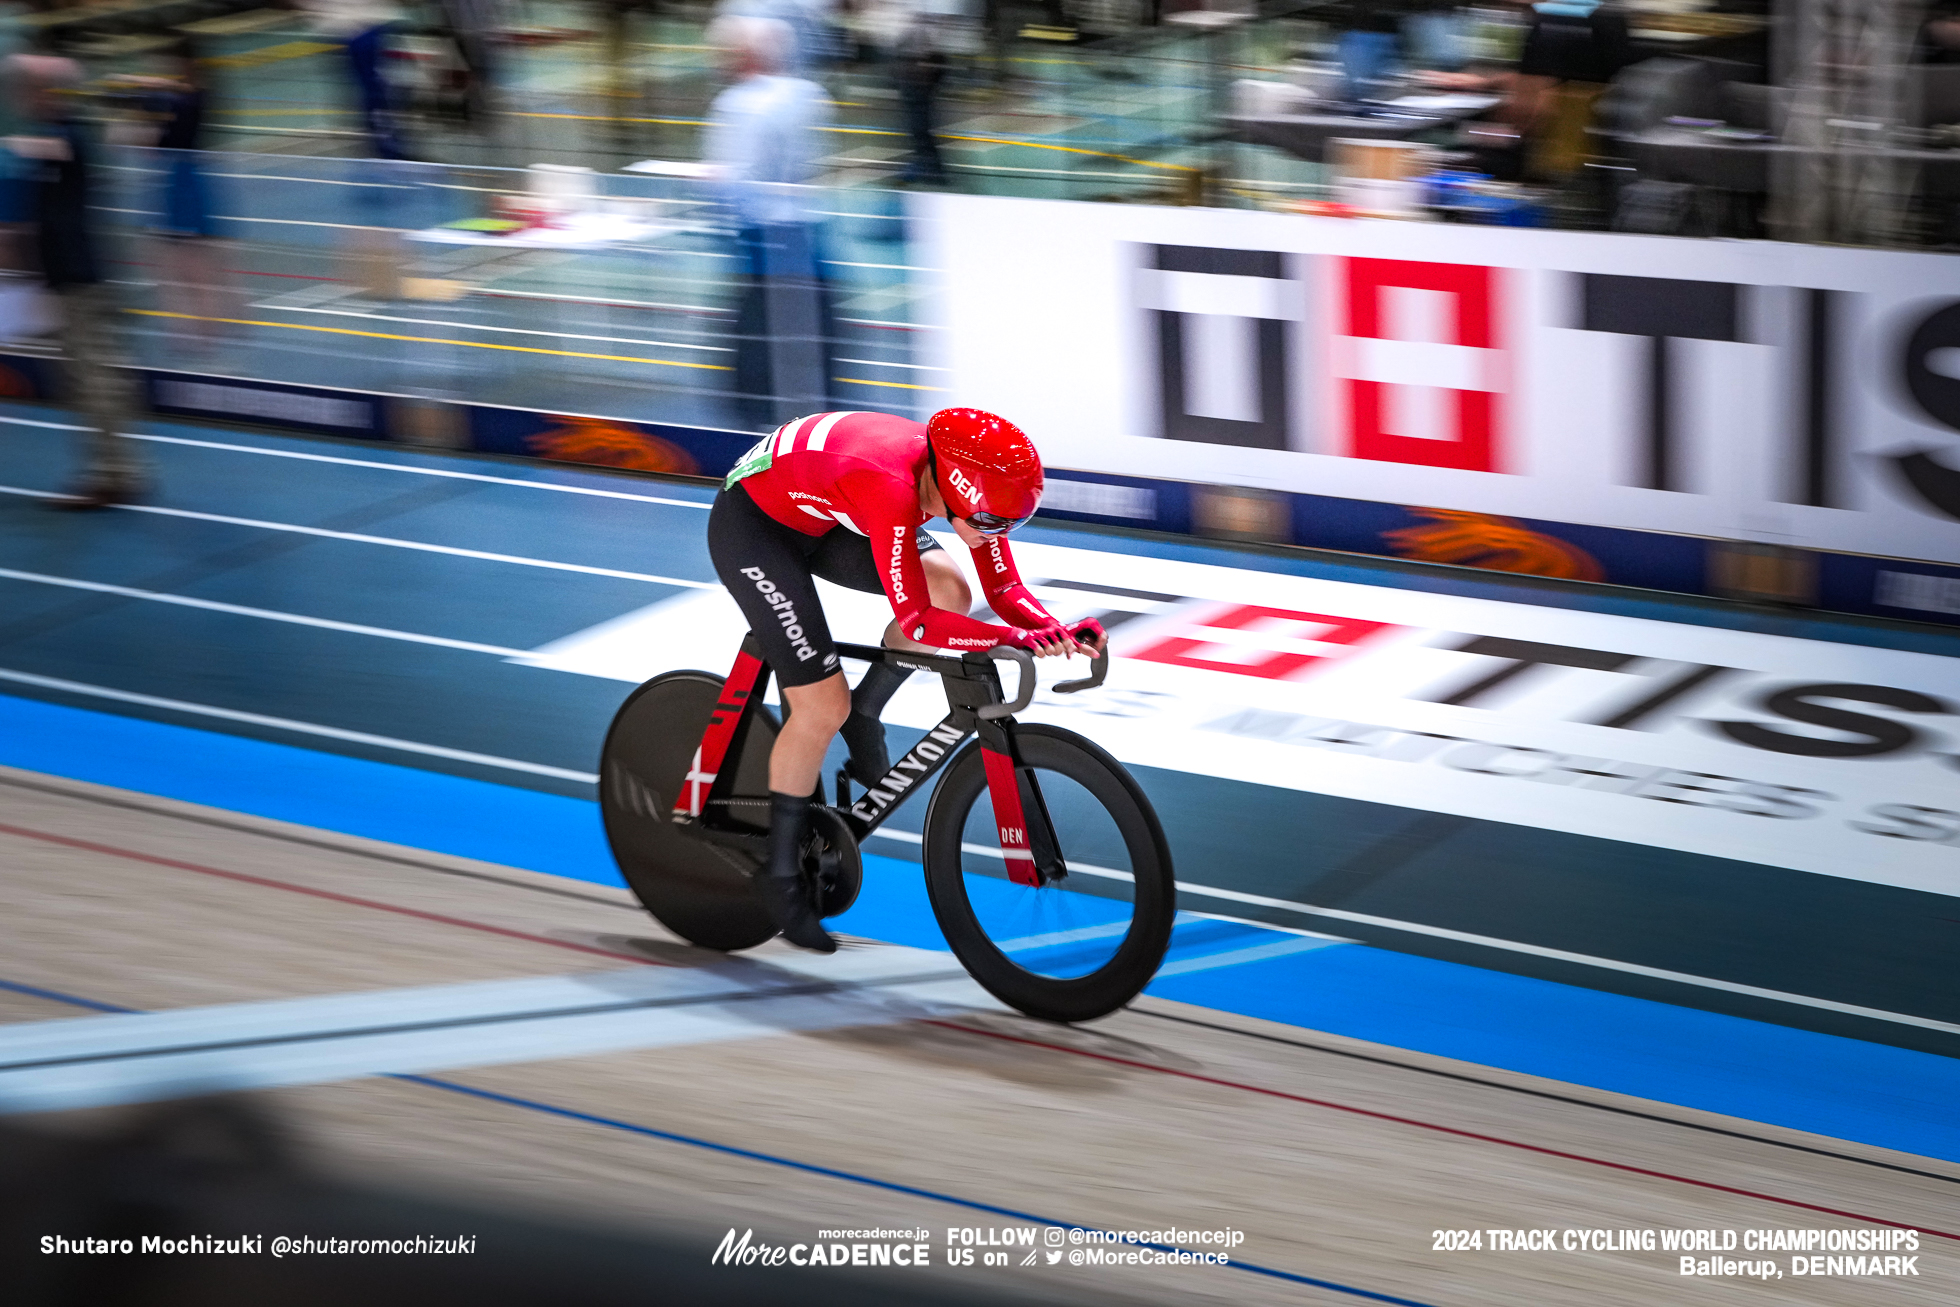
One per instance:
(1825,1084)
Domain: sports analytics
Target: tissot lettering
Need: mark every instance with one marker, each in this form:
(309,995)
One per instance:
(1521,656)
(1646,713)
(1938,396)
(1871,736)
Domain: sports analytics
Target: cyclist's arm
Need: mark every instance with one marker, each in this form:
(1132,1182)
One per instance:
(1012,600)
(1001,582)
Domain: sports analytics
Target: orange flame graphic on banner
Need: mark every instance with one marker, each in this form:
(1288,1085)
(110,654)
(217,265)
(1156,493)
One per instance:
(611,444)
(1500,544)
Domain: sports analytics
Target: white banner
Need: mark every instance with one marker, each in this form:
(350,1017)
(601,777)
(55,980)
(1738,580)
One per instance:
(1782,394)
(1818,757)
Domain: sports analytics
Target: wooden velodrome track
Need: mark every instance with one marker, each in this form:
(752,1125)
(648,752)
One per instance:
(906,1102)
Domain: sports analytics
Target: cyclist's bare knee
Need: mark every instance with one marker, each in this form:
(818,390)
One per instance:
(819,707)
(945,582)
(815,713)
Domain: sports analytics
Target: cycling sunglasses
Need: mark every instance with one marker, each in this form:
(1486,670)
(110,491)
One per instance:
(991,524)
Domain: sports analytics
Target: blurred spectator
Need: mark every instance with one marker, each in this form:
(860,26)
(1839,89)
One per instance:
(55,154)
(176,102)
(1368,46)
(918,65)
(762,143)
(363,26)
(477,26)
(1572,49)
(814,39)
(1434,33)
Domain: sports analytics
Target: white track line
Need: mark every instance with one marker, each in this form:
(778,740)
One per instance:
(1241,956)
(370,463)
(390,541)
(264,614)
(138,1057)
(301,728)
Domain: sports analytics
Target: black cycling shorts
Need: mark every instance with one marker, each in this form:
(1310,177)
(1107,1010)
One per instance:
(768,568)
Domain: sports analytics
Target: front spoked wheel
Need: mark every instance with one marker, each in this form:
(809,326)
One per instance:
(1079,947)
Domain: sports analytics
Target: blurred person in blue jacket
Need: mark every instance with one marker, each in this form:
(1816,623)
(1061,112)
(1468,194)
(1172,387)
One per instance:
(1436,35)
(55,161)
(1369,47)
(174,103)
(762,144)
(362,26)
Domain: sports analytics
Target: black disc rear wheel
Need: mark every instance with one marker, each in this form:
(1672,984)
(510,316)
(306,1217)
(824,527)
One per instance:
(1079,947)
(696,889)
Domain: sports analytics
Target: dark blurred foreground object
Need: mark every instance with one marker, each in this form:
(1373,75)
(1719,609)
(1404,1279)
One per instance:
(220,1168)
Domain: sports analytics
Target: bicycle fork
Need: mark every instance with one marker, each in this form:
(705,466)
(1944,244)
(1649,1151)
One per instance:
(1027,835)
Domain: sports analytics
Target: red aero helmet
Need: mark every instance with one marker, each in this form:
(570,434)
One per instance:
(985,467)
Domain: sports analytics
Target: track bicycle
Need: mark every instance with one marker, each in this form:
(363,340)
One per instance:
(1046,866)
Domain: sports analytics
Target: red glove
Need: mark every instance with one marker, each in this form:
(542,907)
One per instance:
(1036,639)
(1086,632)
(1090,632)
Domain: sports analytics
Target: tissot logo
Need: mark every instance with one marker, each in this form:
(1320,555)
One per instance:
(1253,640)
(1421,363)
(1763,392)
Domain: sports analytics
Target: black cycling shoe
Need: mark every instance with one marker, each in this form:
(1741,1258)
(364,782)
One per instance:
(789,903)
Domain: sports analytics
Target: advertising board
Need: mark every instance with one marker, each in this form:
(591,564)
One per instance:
(1790,395)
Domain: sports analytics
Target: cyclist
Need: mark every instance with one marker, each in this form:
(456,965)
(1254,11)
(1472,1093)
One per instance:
(845,496)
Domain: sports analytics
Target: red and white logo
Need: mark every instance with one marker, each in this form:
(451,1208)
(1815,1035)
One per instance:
(1252,640)
(1420,363)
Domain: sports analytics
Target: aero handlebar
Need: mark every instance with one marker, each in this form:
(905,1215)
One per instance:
(1098,668)
(1024,694)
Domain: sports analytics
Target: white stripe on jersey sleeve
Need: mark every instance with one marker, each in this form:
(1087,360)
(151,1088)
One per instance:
(817,513)
(845,519)
(821,432)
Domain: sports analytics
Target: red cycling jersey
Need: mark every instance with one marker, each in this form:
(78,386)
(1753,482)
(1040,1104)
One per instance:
(861,470)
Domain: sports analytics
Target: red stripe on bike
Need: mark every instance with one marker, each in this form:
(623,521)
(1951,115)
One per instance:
(713,752)
(1004,785)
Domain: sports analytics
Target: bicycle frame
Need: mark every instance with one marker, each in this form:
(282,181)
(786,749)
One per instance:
(975,707)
